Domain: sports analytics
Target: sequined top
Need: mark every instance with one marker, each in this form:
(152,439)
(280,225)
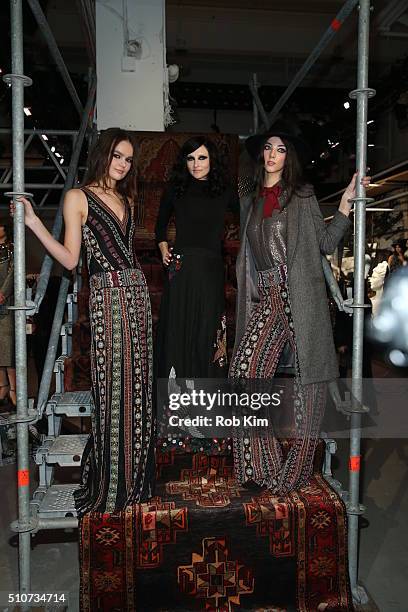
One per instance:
(267,237)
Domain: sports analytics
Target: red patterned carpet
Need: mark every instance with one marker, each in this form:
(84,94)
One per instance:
(204,543)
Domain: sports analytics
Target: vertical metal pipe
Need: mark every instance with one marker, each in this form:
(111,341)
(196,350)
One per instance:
(71,174)
(53,343)
(23,488)
(55,52)
(362,94)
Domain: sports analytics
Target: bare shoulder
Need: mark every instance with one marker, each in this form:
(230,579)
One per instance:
(75,202)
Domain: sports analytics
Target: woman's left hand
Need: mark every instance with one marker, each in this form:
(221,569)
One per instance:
(350,193)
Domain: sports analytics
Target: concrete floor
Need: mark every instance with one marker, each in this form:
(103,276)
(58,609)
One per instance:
(383,543)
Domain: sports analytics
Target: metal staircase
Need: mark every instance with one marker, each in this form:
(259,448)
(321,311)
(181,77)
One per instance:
(50,500)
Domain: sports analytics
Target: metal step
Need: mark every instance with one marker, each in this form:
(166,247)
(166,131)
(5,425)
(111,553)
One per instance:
(67,450)
(71,403)
(58,501)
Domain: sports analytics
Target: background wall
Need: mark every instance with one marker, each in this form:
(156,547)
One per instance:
(130,90)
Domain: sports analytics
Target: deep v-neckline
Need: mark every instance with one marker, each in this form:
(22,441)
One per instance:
(122,223)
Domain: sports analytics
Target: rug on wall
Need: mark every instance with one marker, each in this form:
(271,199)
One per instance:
(205,543)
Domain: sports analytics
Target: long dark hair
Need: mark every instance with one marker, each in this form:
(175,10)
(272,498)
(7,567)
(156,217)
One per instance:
(8,230)
(100,158)
(292,175)
(218,176)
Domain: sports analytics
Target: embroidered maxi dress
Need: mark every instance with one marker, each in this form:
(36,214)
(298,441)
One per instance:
(118,462)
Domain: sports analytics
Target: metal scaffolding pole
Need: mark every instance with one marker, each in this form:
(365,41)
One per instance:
(362,93)
(44,388)
(334,27)
(18,81)
(71,174)
(55,52)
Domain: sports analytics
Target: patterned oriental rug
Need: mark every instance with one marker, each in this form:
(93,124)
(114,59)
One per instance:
(205,543)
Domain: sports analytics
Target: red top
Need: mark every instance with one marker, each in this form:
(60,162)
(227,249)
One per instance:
(271,195)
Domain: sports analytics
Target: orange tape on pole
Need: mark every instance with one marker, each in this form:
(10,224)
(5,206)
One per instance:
(23,478)
(336,25)
(354,463)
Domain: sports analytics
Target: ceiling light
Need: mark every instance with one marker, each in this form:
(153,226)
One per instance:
(27,111)
(346,105)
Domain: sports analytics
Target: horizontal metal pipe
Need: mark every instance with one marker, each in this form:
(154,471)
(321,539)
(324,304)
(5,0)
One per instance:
(34,186)
(375,176)
(66,522)
(42,131)
(31,168)
(396,196)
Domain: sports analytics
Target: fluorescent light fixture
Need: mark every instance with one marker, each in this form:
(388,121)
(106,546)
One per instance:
(27,111)
(57,154)
(371,121)
(44,136)
(371,145)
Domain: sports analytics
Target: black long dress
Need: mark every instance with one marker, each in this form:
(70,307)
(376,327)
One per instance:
(191,338)
(118,462)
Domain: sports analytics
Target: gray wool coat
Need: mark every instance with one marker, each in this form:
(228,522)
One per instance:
(307,237)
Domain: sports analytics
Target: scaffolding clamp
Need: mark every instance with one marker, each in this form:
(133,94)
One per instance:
(353,406)
(9,78)
(368,91)
(32,416)
(26,194)
(350,304)
(24,526)
(29,307)
(355,510)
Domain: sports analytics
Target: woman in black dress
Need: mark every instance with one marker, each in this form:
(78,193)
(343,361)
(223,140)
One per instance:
(118,462)
(191,338)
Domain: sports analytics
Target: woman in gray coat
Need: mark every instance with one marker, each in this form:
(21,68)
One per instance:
(282,309)
(7,367)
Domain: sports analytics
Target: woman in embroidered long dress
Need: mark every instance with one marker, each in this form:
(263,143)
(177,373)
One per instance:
(118,462)
(282,312)
(191,339)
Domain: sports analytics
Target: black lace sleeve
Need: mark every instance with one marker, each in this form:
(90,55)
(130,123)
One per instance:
(165,212)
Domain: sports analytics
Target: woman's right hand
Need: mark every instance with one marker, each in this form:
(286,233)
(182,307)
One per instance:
(165,253)
(29,214)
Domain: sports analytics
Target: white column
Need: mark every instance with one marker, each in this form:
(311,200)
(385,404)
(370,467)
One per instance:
(130,87)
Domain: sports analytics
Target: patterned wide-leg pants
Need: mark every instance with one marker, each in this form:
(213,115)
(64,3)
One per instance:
(118,464)
(258,457)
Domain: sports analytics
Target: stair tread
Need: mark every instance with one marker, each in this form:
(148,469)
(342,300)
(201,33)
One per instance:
(69,444)
(58,501)
(70,398)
